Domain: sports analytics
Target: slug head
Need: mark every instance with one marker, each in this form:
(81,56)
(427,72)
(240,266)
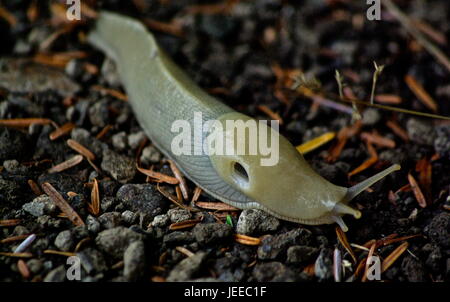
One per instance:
(280,182)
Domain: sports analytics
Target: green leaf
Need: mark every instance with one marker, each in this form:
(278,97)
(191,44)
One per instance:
(229,221)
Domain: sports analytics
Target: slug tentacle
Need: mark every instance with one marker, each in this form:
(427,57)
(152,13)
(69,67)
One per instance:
(357,189)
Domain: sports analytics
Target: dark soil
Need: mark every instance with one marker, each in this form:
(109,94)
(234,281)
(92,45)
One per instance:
(234,56)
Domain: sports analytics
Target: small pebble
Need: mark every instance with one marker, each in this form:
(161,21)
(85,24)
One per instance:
(115,241)
(110,220)
(92,260)
(134,261)
(179,215)
(421,131)
(65,241)
(254,221)
(92,224)
(135,139)
(209,233)
(187,268)
(121,168)
(41,205)
(160,221)
(129,217)
(301,253)
(119,141)
(56,275)
(323,267)
(150,155)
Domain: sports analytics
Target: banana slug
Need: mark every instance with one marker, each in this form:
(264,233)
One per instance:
(160,93)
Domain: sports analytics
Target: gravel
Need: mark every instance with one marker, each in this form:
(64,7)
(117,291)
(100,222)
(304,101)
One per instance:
(274,247)
(273,272)
(92,261)
(254,221)
(323,267)
(134,261)
(301,254)
(179,215)
(187,268)
(212,233)
(120,167)
(144,198)
(110,220)
(161,220)
(41,205)
(115,241)
(56,275)
(439,230)
(150,155)
(65,241)
(420,131)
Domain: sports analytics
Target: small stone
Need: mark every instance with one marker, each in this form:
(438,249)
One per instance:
(442,141)
(254,221)
(129,217)
(434,259)
(119,141)
(13,166)
(110,220)
(273,247)
(92,260)
(41,205)
(109,73)
(115,241)
(92,224)
(74,68)
(160,221)
(108,204)
(99,113)
(209,233)
(187,268)
(56,275)
(65,241)
(134,261)
(439,230)
(13,143)
(274,272)
(420,132)
(120,167)
(11,191)
(413,269)
(150,155)
(20,230)
(323,267)
(178,215)
(143,198)
(84,137)
(217,26)
(301,253)
(35,265)
(371,116)
(178,237)
(135,139)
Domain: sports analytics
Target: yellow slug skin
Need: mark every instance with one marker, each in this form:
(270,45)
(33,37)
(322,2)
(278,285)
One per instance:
(160,93)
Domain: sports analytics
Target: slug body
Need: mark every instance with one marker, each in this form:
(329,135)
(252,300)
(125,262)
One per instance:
(160,94)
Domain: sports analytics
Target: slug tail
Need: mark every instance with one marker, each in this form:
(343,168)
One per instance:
(357,189)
